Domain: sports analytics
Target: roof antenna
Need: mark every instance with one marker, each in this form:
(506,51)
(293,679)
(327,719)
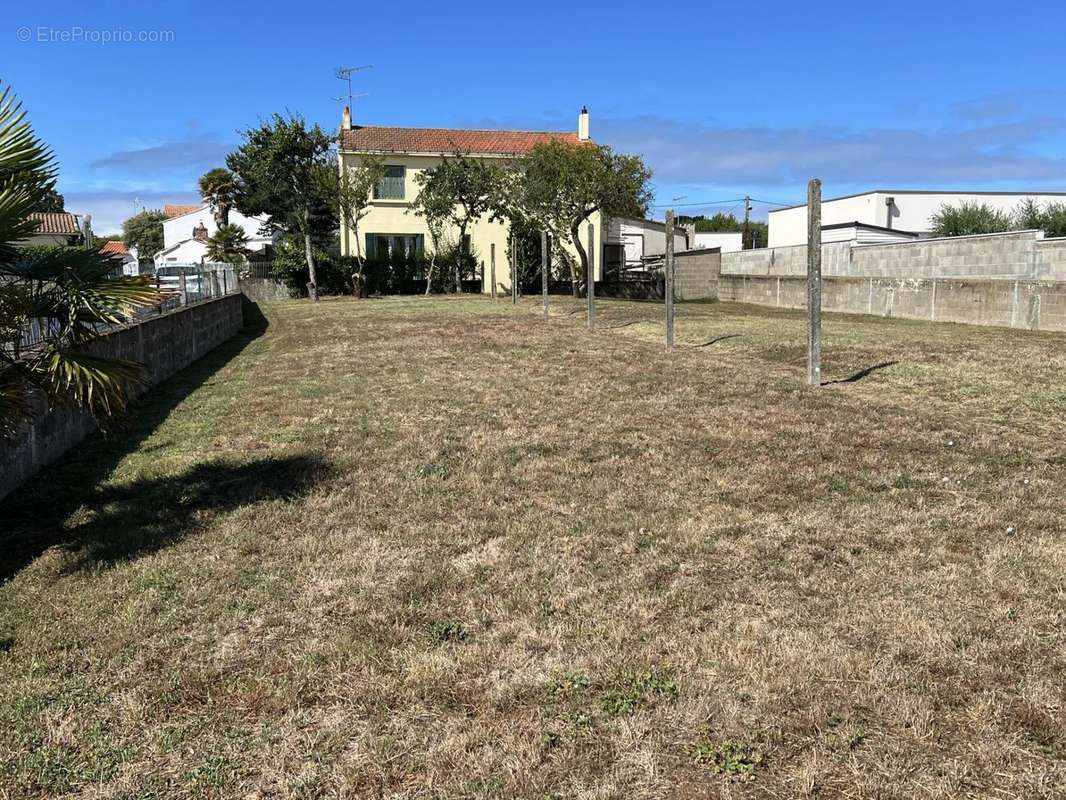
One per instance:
(345,74)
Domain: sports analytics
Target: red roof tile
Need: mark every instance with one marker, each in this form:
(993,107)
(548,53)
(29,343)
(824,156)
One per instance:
(447,140)
(174,210)
(55,222)
(114,248)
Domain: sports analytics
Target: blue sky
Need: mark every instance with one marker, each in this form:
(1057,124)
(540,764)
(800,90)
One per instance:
(722,99)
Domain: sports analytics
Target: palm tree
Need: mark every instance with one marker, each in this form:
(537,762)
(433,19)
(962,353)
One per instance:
(53,301)
(228,244)
(219,190)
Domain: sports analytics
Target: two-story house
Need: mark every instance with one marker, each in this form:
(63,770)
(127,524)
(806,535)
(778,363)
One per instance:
(390,222)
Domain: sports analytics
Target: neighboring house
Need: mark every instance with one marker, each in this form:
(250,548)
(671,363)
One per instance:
(188,227)
(907,210)
(389,222)
(729,242)
(630,241)
(121,257)
(861,233)
(55,228)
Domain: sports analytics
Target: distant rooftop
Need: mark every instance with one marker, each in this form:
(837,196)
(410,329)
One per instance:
(60,222)
(174,210)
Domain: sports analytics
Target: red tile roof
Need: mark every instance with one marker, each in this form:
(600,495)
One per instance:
(446,140)
(173,210)
(114,248)
(55,222)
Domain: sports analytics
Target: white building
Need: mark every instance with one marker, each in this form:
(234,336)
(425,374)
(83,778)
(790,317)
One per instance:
(728,242)
(891,210)
(637,239)
(54,228)
(188,227)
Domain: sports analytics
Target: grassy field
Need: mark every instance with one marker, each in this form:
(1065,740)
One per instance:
(443,548)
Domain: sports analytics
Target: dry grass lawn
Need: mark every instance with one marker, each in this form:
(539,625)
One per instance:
(442,548)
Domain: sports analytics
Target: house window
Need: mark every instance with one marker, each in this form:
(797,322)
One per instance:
(387,245)
(390,187)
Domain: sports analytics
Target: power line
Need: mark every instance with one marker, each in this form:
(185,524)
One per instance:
(708,203)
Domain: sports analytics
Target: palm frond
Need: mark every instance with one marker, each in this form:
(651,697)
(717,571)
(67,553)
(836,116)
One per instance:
(97,384)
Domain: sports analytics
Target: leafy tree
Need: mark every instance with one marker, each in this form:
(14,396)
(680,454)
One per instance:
(565,184)
(51,200)
(280,171)
(219,190)
(145,232)
(61,296)
(350,189)
(228,244)
(969,219)
(1050,218)
(460,190)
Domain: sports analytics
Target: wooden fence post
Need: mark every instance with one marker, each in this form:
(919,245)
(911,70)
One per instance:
(814,282)
(492,268)
(514,270)
(668,268)
(544,269)
(590,279)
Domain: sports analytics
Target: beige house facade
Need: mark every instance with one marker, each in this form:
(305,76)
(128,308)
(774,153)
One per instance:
(391,222)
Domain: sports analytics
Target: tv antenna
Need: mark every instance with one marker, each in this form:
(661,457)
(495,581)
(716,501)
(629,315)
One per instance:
(345,74)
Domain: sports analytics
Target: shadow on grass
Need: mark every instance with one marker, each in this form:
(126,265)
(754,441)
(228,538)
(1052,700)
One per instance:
(126,521)
(862,373)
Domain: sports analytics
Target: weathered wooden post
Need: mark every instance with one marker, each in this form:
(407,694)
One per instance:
(669,280)
(590,279)
(814,282)
(492,268)
(514,270)
(544,269)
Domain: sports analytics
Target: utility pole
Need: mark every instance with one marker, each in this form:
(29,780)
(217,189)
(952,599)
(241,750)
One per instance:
(814,282)
(745,238)
(669,280)
(544,269)
(591,277)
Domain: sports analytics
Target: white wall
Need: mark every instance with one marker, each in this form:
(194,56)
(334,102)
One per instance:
(653,235)
(188,252)
(178,229)
(910,211)
(729,242)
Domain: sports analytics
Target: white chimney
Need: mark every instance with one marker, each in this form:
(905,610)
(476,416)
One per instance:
(346,119)
(583,124)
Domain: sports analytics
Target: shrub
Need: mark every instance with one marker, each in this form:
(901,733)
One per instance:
(969,219)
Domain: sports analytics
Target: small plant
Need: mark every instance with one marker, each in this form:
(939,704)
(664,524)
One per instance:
(571,683)
(631,690)
(448,631)
(727,757)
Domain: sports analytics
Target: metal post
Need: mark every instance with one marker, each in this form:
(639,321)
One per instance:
(181,286)
(492,262)
(514,270)
(814,282)
(590,279)
(669,276)
(544,269)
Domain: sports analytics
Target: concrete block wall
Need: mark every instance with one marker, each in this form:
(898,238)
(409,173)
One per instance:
(1051,259)
(165,345)
(1029,304)
(696,274)
(259,289)
(1017,254)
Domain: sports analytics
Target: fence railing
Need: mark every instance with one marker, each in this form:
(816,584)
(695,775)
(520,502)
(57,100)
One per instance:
(179,284)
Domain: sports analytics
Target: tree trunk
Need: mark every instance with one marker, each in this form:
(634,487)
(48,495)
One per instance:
(460,260)
(312,284)
(583,258)
(429,275)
